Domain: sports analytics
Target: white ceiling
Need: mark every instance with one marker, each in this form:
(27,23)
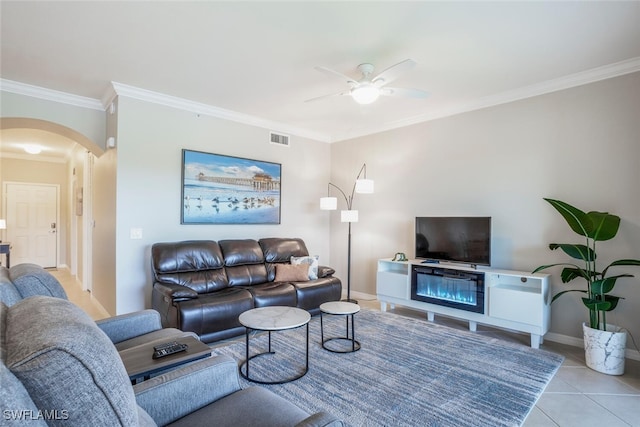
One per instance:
(257,59)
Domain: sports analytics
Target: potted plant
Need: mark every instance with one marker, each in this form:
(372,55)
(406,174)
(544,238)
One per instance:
(598,335)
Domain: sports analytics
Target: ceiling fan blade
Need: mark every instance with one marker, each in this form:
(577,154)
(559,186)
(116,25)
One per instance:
(328,96)
(393,72)
(332,73)
(403,93)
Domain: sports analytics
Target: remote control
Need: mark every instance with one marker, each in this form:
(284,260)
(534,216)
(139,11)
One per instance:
(165,345)
(169,348)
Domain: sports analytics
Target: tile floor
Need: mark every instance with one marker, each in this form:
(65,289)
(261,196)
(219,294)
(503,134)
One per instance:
(576,396)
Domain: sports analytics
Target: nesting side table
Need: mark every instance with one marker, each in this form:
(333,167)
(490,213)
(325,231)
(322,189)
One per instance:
(274,318)
(340,308)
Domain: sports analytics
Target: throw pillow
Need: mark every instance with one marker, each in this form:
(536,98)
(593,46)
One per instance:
(311,261)
(292,273)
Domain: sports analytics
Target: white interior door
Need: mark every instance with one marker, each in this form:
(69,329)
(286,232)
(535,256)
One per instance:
(32,223)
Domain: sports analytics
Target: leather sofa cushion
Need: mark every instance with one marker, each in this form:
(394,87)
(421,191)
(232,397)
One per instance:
(196,264)
(273,293)
(215,312)
(247,275)
(244,261)
(241,252)
(277,249)
(190,255)
(313,293)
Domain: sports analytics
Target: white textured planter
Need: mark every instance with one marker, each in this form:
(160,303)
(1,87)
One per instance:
(604,350)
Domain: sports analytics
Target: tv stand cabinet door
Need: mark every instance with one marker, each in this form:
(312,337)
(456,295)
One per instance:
(392,280)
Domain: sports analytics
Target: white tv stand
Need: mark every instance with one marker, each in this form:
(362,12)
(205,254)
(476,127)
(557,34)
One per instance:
(514,300)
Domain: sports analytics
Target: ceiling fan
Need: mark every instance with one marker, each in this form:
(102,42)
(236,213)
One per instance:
(367,89)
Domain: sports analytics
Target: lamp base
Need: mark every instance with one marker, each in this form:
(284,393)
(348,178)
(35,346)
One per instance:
(350,300)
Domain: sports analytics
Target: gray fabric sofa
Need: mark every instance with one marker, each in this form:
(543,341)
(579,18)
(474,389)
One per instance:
(25,280)
(125,331)
(59,368)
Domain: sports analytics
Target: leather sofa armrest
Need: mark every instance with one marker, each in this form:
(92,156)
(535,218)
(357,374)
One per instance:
(126,326)
(175,292)
(203,382)
(320,419)
(324,271)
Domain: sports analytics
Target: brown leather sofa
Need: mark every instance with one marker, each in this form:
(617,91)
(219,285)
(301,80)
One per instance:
(203,286)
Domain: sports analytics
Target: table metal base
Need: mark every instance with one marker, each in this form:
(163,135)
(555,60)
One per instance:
(245,364)
(355,345)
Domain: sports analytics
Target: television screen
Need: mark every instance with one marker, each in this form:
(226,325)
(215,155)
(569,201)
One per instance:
(455,239)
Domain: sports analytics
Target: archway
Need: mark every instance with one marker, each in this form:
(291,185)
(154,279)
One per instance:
(79,232)
(28,123)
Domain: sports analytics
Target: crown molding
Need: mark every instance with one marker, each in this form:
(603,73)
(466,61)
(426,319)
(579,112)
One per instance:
(573,80)
(121,89)
(50,95)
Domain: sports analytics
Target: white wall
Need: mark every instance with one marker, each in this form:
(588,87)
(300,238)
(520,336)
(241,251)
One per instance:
(149,143)
(580,145)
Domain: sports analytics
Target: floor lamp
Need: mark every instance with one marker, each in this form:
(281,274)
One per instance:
(361,185)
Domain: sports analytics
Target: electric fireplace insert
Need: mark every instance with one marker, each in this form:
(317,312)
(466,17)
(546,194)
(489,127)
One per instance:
(463,290)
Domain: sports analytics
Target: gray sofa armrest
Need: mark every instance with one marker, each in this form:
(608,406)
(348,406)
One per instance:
(130,325)
(203,382)
(32,279)
(321,419)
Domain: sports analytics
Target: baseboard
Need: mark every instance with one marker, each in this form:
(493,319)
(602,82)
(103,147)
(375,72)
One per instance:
(360,295)
(578,342)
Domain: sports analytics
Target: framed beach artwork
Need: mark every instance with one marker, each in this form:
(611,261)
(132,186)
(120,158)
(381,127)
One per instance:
(218,189)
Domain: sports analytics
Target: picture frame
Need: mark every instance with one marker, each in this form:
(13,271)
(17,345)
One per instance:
(221,189)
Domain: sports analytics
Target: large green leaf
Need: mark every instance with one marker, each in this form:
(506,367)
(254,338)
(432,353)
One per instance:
(604,286)
(629,262)
(610,302)
(597,305)
(625,262)
(575,217)
(602,225)
(556,296)
(581,252)
(544,267)
(568,274)
(598,226)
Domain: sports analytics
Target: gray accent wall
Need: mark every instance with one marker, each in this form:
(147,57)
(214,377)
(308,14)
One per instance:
(580,145)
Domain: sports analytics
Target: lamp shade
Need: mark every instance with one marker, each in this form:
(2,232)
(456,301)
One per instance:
(328,203)
(349,216)
(364,186)
(3,224)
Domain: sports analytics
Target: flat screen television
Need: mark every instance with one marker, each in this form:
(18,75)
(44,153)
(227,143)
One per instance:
(455,239)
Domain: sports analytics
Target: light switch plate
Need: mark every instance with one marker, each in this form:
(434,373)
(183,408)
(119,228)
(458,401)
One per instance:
(136,233)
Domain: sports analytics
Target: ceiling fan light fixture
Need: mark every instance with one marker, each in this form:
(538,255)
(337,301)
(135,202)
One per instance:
(365,94)
(33,149)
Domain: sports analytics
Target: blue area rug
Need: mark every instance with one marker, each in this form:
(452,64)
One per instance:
(409,372)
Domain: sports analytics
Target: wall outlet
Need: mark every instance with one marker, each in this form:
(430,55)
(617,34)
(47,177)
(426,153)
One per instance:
(136,233)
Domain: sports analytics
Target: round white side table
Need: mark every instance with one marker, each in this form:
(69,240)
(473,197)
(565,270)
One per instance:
(340,308)
(275,318)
